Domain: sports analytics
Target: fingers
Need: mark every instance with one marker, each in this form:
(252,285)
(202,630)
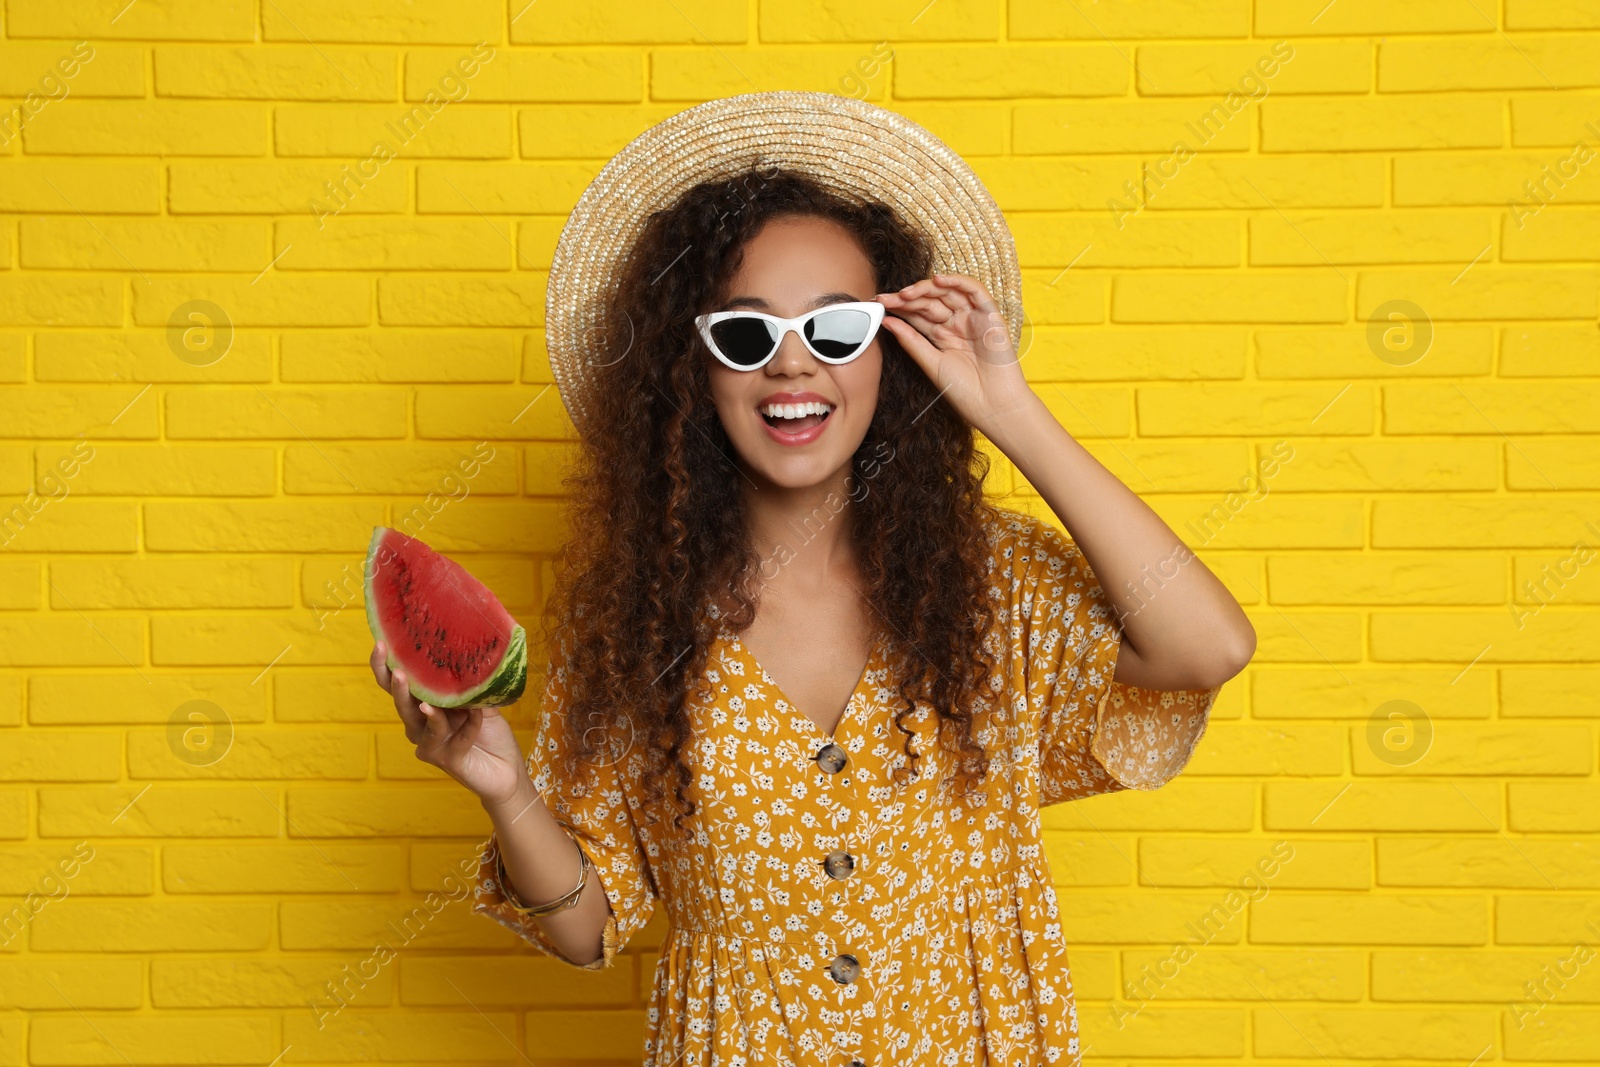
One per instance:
(380,664)
(406,705)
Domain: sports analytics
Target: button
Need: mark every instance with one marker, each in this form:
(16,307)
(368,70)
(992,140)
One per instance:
(832,758)
(844,969)
(857,1063)
(839,864)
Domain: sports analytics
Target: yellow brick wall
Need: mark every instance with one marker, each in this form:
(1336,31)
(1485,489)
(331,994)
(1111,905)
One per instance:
(1209,319)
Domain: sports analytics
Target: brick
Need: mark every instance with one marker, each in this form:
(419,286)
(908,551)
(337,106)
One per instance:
(831,21)
(302,695)
(455,1037)
(446,923)
(1081,860)
(1121,126)
(146,356)
(1498,863)
(133,1039)
(425,22)
(385,812)
(1378,123)
(1560,120)
(397,355)
(1003,72)
(1116,918)
(273,299)
(525,76)
(508,982)
(544,467)
(422,131)
(694,74)
(70,640)
(79,699)
(1489,977)
(1427,408)
(149,128)
(1386,578)
(269,982)
(1307,637)
(397,760)
(1396,919)
(1535,580)
(449,472)
(1488,63)
(1442,637)
(1255,69)
(331,868)
(152,926)
(1359,17)
(1467,522)
(1052,297)
(1566,807)
(1036,184)
(10,701)
(105,982)
(1227,806)
(1225,974)
(1274,749)
(1129,19)
(1551,15)
(1362,1033)
(61,524)
(1373,806)
(293,414)
(1544,918)
(1342,353)
(1485,292)
(63,187)
(258,755)
(564,131)
(1523,750)
(461,300)
(285,72)
(142,245)
(1389,465)
(379,244)
(1256,182)
(283,186)
(1254,862)
(1539,692)
(1278,297)
(574,22)
(82,868)
(173,470)
(574,1033)
(1199,407)
(441,865)
(1562,1034)
(108,71)
(1145,240)
(258,640)
(1278,240)
(1422,180)
(500,189)
(1138,355)
(159,810)
(1564,236)
(1214,521)
(65,412)
(183,19)
(61,756)
(13,356)
(30,300)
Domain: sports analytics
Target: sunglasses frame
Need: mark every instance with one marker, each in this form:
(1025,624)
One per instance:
(872,307)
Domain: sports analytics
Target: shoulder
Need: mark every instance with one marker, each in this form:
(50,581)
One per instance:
(1029,548)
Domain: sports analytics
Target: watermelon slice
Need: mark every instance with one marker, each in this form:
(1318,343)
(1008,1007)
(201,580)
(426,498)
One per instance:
(443,627)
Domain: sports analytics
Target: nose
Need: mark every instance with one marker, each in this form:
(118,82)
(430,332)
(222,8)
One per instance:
(793,357)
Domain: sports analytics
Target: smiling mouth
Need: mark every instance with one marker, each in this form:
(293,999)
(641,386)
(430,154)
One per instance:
(795,418)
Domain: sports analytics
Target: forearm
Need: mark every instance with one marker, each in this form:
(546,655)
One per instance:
(541,863)
(1184,627)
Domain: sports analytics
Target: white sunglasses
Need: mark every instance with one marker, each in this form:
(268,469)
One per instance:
(835,333)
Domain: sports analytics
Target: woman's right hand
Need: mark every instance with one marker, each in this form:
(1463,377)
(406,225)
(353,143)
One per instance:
(475,746)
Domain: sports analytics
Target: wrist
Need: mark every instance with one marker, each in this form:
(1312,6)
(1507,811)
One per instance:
(1011,422)
(503,811)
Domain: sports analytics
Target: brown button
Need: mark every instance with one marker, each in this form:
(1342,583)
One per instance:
(844,969)
(832,758)
(857,1063)
(839,864)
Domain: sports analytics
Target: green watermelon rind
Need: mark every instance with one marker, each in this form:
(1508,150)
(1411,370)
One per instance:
(503,687)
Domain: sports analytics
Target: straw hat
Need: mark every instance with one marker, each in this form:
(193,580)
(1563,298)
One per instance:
(848,145)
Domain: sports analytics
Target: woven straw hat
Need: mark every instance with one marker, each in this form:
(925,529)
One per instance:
(848,145)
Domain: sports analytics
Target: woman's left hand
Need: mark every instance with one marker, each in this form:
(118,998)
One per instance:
(950,325)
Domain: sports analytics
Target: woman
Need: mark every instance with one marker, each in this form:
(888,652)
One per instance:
(851,864)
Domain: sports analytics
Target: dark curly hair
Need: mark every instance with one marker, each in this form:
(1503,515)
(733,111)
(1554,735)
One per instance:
(657,521)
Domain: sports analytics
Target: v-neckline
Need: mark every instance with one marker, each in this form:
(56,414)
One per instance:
(850,704)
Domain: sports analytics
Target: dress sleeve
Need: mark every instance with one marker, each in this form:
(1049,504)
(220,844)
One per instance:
(1095,735)
(600,820)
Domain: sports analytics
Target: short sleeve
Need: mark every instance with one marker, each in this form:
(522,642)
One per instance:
(1094,734)
(600,820)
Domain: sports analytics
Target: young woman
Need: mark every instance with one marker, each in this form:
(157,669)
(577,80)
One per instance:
(808,689)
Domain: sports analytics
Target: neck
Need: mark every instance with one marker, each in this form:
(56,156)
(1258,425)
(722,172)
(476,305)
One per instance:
(802,533)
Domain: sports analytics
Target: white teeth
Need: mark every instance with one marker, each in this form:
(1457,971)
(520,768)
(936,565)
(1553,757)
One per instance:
(794,411)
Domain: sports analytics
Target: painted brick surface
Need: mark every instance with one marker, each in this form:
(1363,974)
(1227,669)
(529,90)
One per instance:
(1318,280)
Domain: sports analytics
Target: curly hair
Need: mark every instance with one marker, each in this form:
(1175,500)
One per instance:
(657,523)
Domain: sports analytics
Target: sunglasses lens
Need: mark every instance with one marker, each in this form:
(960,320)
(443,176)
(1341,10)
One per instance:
(839,334)
(746,340)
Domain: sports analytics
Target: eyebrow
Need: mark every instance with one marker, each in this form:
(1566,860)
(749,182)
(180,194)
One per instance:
(761,305)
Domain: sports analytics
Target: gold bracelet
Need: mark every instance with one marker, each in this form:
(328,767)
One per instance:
(561,903)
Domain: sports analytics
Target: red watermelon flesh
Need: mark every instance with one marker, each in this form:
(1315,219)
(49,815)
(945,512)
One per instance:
(443,627)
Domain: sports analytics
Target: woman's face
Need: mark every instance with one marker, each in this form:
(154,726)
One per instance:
(792,265)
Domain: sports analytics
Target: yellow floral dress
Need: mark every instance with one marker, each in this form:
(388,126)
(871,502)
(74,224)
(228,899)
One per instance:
(820,914)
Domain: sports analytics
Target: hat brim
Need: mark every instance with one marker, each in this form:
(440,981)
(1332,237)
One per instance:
(853,147)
